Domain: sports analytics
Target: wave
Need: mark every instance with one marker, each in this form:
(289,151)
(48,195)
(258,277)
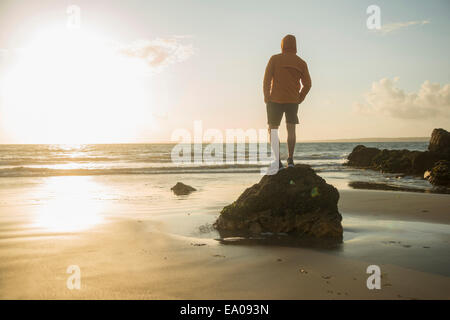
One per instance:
(29,161)
(19,162)
(124,167)
(322,157)
(51,161)
(49,172)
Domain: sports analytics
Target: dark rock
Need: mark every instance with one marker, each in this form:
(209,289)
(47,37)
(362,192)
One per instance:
(306,207)
(440,142)
(182,189)
(362,156)
(394,161)
(423,161)
(381,186)
(440,174)
(406,161)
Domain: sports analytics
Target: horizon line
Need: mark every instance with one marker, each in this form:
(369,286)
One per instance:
(368,139)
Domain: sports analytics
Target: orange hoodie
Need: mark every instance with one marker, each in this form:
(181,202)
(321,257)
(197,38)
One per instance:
(284,73)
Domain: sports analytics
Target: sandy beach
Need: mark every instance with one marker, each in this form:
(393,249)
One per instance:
(174,254)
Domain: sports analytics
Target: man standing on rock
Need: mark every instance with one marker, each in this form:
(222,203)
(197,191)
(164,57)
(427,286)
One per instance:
(283,93)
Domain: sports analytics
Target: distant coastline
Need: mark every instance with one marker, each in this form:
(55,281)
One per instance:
(400,139)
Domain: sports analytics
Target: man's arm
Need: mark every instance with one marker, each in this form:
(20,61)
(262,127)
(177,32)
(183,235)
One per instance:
(306,84)
(267,83)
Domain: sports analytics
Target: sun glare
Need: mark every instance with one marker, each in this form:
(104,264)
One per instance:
(70,206)
(73,87)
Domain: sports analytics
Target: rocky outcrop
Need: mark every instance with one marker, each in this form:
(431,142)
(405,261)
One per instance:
(395,161)
(440,143)
(440,174)
(295,201)
(182,189)
(362,156)
(405,161)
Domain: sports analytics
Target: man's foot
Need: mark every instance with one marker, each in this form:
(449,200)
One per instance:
(290,162)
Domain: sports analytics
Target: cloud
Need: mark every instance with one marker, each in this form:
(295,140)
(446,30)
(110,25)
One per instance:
(143,57)
(431,101)
(158,53)
(391,27)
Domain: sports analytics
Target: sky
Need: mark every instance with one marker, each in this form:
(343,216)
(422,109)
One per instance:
(138,70)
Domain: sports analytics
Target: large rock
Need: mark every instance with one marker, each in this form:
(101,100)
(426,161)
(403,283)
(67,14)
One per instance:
(403,161)
(362,156)
(294,201)
(406,161)
(394,161)
(440,174)
(423,161)
(440,142)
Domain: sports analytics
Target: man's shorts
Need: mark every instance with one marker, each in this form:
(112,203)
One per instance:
(275,113)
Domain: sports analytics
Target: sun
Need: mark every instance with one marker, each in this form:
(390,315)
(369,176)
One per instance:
(71,86)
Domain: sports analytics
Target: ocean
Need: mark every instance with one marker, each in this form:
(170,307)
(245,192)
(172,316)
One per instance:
(147,159)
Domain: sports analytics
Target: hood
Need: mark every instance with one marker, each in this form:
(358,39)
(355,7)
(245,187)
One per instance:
(289,44)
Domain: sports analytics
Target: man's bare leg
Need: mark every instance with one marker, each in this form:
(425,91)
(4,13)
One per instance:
(291,139)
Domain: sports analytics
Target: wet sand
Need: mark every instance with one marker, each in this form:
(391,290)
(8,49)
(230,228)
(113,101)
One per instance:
(127,260)
(407,206)
(176,256)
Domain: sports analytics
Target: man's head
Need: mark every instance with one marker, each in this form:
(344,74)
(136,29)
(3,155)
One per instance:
(289,44)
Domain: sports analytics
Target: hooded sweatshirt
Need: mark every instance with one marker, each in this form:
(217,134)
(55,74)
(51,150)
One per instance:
(283,75)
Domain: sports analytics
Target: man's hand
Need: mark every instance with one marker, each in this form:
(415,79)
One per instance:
(267,82)
(306,85)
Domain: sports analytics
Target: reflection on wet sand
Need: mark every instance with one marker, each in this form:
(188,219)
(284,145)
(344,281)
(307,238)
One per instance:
(69,204)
